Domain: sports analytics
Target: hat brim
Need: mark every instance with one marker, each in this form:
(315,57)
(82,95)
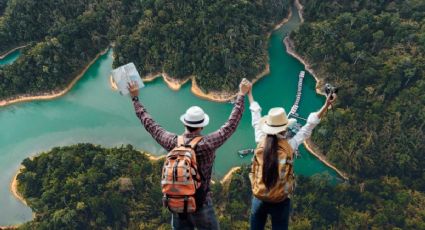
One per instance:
(203,124)
(274,130)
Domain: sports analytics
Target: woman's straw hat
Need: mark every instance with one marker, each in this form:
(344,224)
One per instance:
(276,121)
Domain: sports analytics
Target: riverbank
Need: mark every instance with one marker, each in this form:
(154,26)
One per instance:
(290,49)
(2,56)
(172,83)
(300,9)
(229,175)
(14,190)
(314,150)
(14,187)
(53,95)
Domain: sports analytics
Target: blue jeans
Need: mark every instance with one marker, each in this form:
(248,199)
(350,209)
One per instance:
(278,211)
(203,219)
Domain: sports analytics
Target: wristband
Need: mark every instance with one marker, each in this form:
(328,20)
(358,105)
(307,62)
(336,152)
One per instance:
(135,98)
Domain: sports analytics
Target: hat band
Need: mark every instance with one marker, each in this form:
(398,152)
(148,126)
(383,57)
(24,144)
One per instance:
(276,125)
(194,122)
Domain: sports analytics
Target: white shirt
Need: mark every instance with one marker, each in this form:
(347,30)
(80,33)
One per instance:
(294,142)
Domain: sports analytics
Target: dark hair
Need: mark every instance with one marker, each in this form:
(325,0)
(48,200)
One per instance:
(191,129)
(270,161)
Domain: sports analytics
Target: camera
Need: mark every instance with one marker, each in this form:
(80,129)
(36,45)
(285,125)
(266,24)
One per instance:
(329,90)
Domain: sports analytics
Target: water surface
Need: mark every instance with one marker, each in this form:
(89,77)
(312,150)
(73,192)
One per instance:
(9,59)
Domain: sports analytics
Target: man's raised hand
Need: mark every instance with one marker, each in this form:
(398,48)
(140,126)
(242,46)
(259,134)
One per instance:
(133,88)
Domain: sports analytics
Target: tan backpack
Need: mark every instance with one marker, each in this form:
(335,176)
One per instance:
(180,177)
(284,185)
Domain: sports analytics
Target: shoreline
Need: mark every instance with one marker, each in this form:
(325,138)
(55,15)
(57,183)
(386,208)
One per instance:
(171,83)
(54,95)
(300,9)
(4,55)
(308,143)
(291,51)
(13,188)
(229,175)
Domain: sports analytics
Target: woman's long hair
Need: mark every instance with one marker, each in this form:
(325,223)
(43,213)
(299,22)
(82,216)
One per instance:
(270,161)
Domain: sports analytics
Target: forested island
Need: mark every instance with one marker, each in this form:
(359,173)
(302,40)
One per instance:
(90,187)
(217,42)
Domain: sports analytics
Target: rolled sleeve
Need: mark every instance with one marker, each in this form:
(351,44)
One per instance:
(313,119)
(255,107)
(256,117)
(305,132)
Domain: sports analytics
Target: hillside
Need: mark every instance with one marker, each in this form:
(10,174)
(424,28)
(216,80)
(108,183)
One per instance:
(374,52)
(218,42)
(85,187)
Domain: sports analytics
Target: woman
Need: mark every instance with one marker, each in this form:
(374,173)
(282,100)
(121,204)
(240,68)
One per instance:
(274,156)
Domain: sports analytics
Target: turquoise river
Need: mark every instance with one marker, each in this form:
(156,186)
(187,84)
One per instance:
(92,112)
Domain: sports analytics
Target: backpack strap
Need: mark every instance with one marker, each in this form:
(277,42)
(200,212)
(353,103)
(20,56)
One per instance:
(195,141)
(180,141)
(185,205)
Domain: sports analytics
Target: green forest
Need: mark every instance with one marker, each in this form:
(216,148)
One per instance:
(89,187)
(62,37)
(218,42)
(2,6)
(374,51)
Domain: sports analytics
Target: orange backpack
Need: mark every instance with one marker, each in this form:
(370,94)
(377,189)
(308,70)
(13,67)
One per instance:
(180,177)
(286,182)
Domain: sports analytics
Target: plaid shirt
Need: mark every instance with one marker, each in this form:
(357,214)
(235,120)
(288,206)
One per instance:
(205,150)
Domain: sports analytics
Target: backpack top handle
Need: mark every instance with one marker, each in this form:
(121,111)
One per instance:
(180,141)
(192,144)
(195,141)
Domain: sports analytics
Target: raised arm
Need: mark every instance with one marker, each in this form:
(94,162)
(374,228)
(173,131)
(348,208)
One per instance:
(218,137)
(166,139)
(312,121)
(256,116)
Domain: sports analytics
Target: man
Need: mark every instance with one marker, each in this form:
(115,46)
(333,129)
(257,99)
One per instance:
(194,121)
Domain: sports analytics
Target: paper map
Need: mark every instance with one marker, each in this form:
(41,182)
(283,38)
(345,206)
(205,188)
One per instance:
(125,74)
